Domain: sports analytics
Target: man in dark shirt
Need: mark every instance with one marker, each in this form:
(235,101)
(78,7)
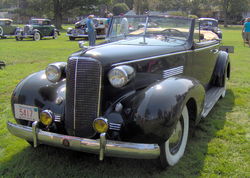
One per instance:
(91,30)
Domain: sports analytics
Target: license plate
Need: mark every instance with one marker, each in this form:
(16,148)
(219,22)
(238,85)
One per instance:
(25,112)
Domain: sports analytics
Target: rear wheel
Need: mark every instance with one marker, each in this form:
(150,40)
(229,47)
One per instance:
(173,149)
(222,82)
(71,38)
(36,36)
(1,31)
(55,36)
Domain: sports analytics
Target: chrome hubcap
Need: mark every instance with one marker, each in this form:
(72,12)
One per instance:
(37,36)
(176,137)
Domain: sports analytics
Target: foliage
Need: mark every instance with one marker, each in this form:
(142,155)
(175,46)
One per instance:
(120,8)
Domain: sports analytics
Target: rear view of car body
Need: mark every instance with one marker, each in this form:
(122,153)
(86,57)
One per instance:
(81,31)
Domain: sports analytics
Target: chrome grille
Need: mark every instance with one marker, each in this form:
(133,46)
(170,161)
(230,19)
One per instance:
(82,95)
(26,29)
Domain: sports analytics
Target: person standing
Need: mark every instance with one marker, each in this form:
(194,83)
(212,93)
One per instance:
(246,31)
(91,30)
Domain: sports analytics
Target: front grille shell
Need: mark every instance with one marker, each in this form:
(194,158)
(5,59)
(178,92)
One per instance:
(83,95)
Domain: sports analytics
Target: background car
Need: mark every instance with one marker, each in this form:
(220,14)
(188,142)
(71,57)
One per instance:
(38,29)
(7,29)
(210,24)
(80,30)
(136,95)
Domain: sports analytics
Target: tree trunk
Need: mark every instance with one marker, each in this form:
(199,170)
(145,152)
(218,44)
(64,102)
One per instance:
(225,10)
(58,13)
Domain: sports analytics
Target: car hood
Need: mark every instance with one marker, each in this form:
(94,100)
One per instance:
(125,50)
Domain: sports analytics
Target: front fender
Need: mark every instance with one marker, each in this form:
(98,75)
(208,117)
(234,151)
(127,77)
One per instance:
(36,90)
(157,108)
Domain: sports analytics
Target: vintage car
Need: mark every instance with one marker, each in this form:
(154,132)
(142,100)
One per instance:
(81,31)
(210,24)
(38,29)
(136,95)
(7,29)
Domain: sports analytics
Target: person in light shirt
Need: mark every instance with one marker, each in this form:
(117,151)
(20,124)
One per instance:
(91,30)
(246,31)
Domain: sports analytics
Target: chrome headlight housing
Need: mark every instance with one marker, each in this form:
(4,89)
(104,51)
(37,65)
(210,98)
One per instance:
(69,30)
(121,75)
(56,71)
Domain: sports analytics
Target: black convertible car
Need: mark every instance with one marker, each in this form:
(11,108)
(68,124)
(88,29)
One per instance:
(136,95)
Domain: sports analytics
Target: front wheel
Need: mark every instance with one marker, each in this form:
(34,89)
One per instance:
(173,149)
(37,36)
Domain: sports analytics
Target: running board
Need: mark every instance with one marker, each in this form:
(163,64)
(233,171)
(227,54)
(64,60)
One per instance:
(212,96)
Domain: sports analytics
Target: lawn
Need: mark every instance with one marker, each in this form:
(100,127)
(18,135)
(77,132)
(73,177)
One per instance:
(219,147)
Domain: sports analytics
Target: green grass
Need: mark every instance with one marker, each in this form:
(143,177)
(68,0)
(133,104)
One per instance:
(219,147)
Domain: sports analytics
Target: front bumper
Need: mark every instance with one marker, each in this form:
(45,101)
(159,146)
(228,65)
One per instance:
(77,35)
(84,35)
(100,146)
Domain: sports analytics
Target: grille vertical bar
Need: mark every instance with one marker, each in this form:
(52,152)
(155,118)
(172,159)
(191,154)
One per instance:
(82,95)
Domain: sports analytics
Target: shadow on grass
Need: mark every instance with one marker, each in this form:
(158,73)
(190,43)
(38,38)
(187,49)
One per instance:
(54,162)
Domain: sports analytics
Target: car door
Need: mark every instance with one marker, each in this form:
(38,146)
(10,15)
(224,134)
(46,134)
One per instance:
(47,28)
(204,55)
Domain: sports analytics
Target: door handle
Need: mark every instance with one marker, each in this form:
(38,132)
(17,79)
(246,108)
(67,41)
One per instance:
(214,51)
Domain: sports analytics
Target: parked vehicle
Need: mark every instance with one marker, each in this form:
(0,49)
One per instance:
(135,96)
(81,31)
(38,29)
(7,29)
(211,25)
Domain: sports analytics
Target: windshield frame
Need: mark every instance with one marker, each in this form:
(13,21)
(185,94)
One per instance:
(111,37)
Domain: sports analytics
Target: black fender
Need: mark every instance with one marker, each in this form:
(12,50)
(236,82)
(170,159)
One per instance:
(36,90)
(156,109)
(222,65)
(36,30)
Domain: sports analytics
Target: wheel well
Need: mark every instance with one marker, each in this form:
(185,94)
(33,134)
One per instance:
(192,112)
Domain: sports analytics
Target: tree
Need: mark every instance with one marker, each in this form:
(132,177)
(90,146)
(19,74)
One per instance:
(120,8)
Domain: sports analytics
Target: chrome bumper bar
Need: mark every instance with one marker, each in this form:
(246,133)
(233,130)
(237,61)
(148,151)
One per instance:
(100,146)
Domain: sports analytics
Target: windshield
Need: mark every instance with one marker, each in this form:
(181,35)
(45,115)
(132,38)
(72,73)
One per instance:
(210,23)
(40,22)
(153,30)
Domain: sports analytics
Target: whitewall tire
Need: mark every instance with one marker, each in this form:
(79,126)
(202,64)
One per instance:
(173,149)
(1,31)
(37,36)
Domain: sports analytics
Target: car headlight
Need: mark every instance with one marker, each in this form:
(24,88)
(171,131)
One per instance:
(121,75)
(56,71)
(69,30)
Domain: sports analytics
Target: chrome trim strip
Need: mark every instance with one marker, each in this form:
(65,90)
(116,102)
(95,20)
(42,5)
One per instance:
(100,89)
(75,94)
(113,148)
